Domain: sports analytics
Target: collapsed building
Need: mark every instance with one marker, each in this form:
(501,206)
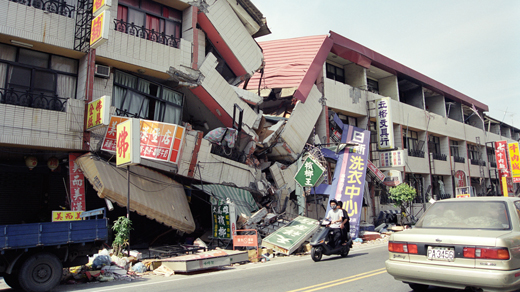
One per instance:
(222,118)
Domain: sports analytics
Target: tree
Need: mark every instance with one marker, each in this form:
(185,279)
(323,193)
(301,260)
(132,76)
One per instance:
(122,227)
(402,195)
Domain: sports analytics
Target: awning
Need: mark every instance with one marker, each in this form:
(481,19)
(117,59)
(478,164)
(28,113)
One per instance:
(152,194)
(243,200)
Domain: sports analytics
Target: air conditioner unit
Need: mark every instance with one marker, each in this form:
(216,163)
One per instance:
(102,71)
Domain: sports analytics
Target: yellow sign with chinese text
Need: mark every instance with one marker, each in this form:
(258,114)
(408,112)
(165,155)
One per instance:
(58,216)
(514,158)
(99,6)
(99,29)
(127,143)
(98,113)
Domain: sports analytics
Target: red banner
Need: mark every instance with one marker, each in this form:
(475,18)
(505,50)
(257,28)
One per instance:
(77,184)
(500,154)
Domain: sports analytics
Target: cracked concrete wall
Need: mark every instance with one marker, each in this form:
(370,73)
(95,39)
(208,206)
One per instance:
(235,35)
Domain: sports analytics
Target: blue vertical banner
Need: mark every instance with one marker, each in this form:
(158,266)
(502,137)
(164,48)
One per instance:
(348,184)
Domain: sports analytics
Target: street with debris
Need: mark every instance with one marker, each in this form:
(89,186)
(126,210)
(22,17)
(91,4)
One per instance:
(362,270)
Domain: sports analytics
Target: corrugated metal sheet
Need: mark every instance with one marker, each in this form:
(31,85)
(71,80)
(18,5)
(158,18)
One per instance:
(152,194)
(243,200)
(287,61)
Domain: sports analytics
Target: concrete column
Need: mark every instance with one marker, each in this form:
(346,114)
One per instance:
(355,76)
(388,87)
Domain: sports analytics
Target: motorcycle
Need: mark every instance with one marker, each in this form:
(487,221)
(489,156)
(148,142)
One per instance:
(320,243)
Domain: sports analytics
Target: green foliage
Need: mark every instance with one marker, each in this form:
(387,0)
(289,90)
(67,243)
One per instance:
(402,194)
(122,227)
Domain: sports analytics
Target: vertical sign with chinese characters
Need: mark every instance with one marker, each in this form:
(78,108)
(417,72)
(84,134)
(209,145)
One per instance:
(99,29)
(77,186)
(500,154)
(127,145)
(460,178)
(349,175)
(514,159)
(385,126)
(100,6)
(98,112)
(224,220)
(392,158)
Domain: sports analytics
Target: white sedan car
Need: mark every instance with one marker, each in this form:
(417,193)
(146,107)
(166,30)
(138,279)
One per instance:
(461,243)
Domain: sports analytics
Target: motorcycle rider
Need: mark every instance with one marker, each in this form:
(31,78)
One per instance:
(335,216)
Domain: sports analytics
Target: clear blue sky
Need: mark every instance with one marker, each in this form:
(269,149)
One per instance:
(472,46)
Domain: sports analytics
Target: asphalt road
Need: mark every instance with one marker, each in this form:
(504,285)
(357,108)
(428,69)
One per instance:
(362,270)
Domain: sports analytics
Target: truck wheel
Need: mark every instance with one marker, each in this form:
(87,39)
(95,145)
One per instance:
(40,272)
(12,281)
(316,253)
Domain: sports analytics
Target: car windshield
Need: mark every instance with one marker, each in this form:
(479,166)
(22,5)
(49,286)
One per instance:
(466,215)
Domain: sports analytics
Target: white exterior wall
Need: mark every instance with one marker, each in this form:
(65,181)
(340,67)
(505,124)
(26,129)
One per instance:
(339,96)
(236,36)
(301,123)
(34,24)
(142,52)
(43,128)
(222,92)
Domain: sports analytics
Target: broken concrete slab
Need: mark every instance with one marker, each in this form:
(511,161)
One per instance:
(290,237)
(204,260)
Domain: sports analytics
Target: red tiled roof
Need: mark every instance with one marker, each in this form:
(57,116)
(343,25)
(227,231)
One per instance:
(296,63)
(288,62)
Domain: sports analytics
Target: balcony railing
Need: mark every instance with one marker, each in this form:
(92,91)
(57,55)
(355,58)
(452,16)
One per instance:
(52,6)
(34,100)
(415,153)
(459,159)
(438,156)
(145,33)
(477,162)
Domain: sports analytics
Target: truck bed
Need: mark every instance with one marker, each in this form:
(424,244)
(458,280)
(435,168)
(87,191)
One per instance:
(52,233)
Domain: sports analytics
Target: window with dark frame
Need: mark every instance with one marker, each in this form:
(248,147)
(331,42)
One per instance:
(411,141)
(454,146)
(140,98)
(434,144)
(222,67)
(150,20)
(36,79)
(473,152)
(335,73)
(373,85)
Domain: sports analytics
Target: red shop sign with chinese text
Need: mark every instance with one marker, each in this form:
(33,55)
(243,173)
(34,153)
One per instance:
(500,154)
(77,185)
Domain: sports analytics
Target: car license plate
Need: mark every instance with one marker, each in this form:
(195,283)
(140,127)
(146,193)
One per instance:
(441,253)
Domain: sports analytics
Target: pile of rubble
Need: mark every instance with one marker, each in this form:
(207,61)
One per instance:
(105,267)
